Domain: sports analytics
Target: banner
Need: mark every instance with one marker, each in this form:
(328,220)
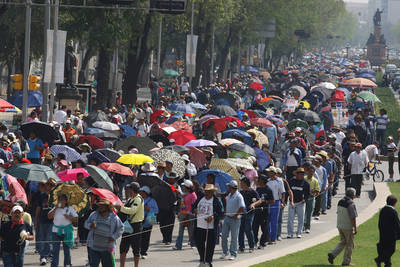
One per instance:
(340,116)
(191,55)
(60,46)
(289,105)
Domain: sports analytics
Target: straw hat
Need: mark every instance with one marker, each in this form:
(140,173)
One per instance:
(148,167)
(323,154)
(210,187)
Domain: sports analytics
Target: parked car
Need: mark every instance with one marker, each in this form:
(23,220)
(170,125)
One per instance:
(396,83)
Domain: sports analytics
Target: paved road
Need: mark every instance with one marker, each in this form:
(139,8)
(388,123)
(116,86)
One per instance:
(162,255)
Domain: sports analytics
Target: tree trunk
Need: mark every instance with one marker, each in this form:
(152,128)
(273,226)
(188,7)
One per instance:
(9,72)
(136,61)
(85,62)
(201,53)
(103,77)
(224,54)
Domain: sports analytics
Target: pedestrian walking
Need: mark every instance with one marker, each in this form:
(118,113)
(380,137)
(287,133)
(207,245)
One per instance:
(150,218)
(310,203)
(358,161)
(347,226)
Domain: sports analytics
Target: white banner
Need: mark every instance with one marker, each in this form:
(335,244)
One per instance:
(191,57)
(289,105)
(340,116)
(60,46)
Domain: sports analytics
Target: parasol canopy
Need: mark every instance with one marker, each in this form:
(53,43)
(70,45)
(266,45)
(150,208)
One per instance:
(360,83)
(109,153)
(44,131)
(71,154)
(19,191)
(107,194)
(100,177)
(261,122)
(134,159)
(200,143)
(106,125)
(116,168)
(368,96)
(225,166)
(143,144)
(71,174)
(243,148)
(223,111)
(221,178)
(77,198)
(237,134)
(181,137)
(92,141)
(32,172)
(165,154)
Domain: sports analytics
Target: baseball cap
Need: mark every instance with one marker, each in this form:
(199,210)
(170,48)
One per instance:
(17,208)
(233,184)
(145,189)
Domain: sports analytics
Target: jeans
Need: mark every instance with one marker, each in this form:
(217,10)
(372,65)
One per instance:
(145,240)
(205,242)
(324,201)
(166,217)
(57,239)
(246,226)
(44,235)
(356,180)
(317,205)
(298,210)
(261,220)
(280,219)
(105,257)
(12,260)
(380,137)
(179,239)
(309,210)
(274,219)
(232,225)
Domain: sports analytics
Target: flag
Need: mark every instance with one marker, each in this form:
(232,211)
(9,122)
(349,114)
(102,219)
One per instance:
(320,130)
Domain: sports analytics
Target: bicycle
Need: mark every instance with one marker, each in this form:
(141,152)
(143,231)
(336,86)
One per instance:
(371,170)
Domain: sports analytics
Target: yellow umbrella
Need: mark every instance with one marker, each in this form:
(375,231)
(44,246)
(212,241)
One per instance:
(134,159)
(260,137)
(223,165)
(305,104)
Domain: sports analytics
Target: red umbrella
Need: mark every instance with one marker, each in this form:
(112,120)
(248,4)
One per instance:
(338,96)
(221,124)
(158,113)
(182,125)
(260,122)
(181,137)
(71,174)
(256,86)
(117,168)
(107,194)
(251,114)
(197,157)
(93,141)
(4,104)
(18,189)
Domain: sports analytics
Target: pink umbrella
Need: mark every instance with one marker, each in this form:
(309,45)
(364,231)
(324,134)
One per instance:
(207,117)
(197,157)
(71,174)
(117,168)
(107,194)
(18,189)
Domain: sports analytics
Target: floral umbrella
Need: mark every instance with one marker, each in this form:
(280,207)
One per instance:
(182,125)
(165,154)
(77,198)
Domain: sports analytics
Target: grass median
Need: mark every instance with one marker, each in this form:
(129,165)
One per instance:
(389,103)
(363,254)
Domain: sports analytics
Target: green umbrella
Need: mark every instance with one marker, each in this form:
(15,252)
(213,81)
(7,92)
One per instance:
(368,96)
(297,123)
(100,177)
(32,172)
(171,73)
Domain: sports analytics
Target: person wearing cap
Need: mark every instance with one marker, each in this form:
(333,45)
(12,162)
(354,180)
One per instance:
(13,235)
(301,192)
(168,169)
(234,208)
(35,146)
(186,218)
(357,161)
(105,228)
(391,148)
(68,131)
(292,159)
(330,167)
(134,211)
(161,169)
(142,127)
(150,213)
(262,210)
(314,191)
(322,176)
(190,170)
(209,211)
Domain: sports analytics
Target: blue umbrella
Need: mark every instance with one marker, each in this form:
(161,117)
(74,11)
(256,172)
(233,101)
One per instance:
(252,69)
(93,131)
(232,133)
(370,71)
(185,108)
(221,178)
(127,130)
(366,75)
(35,99)
(98,157)
(173,118)
(70,153)
(198,106)
(261,113)
(262,159)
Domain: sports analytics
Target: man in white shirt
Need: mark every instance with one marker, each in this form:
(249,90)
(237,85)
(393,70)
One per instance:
(358,161)
(381,124)
(61,115)
(184,87)
(278,192)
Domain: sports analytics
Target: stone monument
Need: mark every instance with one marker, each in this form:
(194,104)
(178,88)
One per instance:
(376,44)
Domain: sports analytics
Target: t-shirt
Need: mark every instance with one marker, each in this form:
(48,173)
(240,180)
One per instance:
(265,194)
(10,234)
(34,153)
(381,122)
(189,199)
(43,202)
(277,187)
(59,218)
(249,197)
(205,209)
(358,161)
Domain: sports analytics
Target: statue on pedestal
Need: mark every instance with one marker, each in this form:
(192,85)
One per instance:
(377,17)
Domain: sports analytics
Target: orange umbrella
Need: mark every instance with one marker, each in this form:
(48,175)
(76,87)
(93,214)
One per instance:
(360,83)
(260,122)
(117,168)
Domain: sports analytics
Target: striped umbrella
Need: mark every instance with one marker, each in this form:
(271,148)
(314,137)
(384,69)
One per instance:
(70,153)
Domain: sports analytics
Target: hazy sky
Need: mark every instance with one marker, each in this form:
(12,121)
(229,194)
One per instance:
(357,1)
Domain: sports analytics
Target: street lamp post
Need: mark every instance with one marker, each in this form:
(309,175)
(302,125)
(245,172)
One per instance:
(347,50)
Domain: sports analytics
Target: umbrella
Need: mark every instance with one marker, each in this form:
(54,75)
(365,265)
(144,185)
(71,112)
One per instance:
(207,117)
(260,122)
(160,190)
(275,118)
(243,148)
(170,72)
(100,177)
(181,137)
(5,105)
(360,83)
(275,93)
(223,165)
(368,96)
(252,114)
(239,155)
(327,85)
(197,157)
(107,194)
(338,96)
(184,108)
(297,123)
(134,159)
(262,159)
(117,168)
(70,154)
(43,130)
(71,174)
(177,148)
(32,172)
(200,143)
(223,111)
(260,137)
(97,157)
(165,154)
(77,198)
(93,131)
(198,106)
(169,130)
(221,178)
(326,93)
(182,125)
(256,86)
(106,135)
(106,125)
(298,91)
(93,141)
(19,190)
(240,163)
(158,113)
(160,139)
(238,134)
(111,154)
(224,99)
(143,144)
(221,124)
(94,117)
(275,103)
(306,115)
(35,99)
(266,75)
(229,141)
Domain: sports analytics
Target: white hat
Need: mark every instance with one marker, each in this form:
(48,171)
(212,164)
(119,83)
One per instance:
(185,157)
(148,167)
(233,184)
(1,161)
(145,189)
(271,169)
(278,170)
(188,183)
(17,208)
(172,141)
(68,121)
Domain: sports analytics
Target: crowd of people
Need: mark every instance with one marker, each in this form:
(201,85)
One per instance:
(225,161)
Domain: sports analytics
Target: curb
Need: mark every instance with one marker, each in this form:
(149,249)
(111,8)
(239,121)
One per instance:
(381,191)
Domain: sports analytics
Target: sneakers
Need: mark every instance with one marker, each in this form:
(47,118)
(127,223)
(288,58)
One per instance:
(251,250)
(232,258)
(261,247)
(323,213)
(176,248)
(330,258)
(307,231)
(224,256)
(298,236)
(316,218)
(43,261)
(279,238)
(143,257)
(289,236)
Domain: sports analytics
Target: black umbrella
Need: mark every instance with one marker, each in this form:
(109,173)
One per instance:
(177,148)
(111,154)
(224,99)
(160,190)
(160,138)
(243,148)
(92,117)
(275,92)
(43,130)
(105,135)
(306,115)
(143,144)
(222,111)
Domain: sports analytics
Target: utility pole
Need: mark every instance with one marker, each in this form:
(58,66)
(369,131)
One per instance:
(45,86)
(54,59)
(191,46)
(159,48)
(27,48)
(116,63)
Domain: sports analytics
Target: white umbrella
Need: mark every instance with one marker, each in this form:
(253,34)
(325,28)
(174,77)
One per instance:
(169,129)
(327,85)
(106,125)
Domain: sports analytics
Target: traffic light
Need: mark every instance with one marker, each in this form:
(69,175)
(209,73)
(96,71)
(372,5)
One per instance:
(17,81)
(169,6)
(34,82)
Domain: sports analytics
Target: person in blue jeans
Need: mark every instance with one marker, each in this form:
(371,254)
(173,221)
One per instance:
(246,226)
(234,208)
